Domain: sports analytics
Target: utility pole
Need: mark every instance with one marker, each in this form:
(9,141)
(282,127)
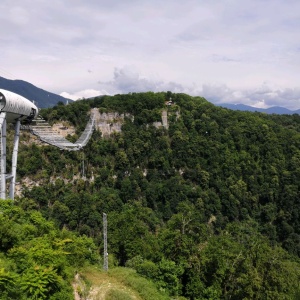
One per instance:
(105,254)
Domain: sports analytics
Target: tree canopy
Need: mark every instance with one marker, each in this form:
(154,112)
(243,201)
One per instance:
(208,208)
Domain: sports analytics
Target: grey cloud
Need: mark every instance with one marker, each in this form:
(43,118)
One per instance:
(265,95)
(128,80)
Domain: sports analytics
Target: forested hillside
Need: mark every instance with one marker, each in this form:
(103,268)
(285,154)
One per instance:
(207,209)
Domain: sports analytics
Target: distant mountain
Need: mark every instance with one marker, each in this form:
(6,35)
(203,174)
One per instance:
(272,110)
(41,98)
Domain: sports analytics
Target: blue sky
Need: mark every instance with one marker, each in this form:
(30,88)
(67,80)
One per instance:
(228,51)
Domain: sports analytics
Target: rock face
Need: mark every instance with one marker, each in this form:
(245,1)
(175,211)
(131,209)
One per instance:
(109,123)
(63,129)
(164,121)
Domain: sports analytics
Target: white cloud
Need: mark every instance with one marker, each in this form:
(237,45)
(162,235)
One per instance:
(128,79)
(262,97)
(83,94)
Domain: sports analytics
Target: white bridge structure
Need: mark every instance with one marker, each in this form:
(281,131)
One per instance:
(16,109)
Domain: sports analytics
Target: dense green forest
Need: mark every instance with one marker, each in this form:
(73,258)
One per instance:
(37,260)
(208,208)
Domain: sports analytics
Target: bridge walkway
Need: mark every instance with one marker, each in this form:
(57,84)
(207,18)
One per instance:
(47,135)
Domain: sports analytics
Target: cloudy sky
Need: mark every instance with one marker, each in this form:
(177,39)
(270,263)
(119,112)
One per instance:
(229,51)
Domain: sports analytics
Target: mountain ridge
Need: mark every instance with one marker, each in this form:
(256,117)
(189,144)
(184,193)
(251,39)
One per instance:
(279,110)
(40,97)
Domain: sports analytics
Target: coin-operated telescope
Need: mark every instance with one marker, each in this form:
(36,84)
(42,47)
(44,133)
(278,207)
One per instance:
(13,109)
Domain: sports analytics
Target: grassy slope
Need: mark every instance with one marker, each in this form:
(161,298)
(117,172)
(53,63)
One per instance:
(120,284)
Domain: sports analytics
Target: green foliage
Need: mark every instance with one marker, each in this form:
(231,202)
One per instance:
(146,289)
(202,208)
(138,238)
(166,274)
(7,284)
(76,113)
(38,259)
(143,266)
(169,277)
(39,283)
(117,295)
(240,264)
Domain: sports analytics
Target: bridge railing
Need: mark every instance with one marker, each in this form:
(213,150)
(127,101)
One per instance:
(49,136)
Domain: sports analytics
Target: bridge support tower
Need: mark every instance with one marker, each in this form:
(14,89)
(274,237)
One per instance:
(4,176)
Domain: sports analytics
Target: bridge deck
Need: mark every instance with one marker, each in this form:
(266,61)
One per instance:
(51,137)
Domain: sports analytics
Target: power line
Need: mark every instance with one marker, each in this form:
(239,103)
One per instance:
(7,74)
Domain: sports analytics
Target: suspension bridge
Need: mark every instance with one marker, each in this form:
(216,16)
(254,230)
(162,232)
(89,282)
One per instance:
(47,135)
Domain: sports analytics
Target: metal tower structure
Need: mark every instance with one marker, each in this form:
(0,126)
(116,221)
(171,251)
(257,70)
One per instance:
(105,253)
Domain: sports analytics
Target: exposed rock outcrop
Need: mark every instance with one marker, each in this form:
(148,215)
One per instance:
(109,123)
(164,120)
